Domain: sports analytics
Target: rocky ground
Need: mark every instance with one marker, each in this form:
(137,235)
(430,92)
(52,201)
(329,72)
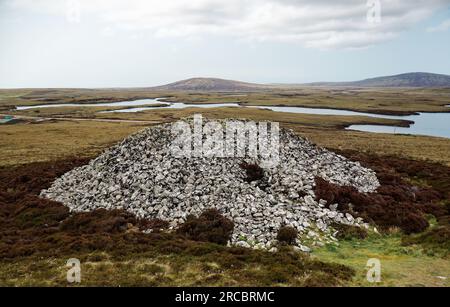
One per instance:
(141,176)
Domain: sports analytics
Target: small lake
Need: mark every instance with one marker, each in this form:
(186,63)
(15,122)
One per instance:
(431,124)
(175,105)
(320,111)
(141,102)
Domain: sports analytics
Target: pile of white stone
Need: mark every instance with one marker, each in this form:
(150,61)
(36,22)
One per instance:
(142,176)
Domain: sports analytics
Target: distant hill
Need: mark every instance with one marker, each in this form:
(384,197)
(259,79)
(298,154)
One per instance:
(414,79)
(211,84)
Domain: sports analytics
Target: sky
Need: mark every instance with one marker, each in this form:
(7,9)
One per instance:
(134,43)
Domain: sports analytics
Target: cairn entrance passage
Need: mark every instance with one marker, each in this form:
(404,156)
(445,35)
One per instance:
(141,176)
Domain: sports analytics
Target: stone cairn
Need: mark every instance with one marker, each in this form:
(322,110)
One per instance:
(141,175)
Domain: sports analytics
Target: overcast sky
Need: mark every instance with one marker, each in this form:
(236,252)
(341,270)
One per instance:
(111,43)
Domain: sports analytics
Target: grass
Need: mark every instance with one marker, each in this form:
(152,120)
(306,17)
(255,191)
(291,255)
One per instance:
(71,111)
(324,130)
(320,121)
(102,269)
(400,265)
(47,141)
(415,147)
(29,97)
(22,143)
(367,100)
(25,143)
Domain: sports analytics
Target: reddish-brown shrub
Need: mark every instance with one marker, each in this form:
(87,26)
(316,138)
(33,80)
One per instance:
(287,235)
(210,226)
(382,209)
(396,202)
(98,221)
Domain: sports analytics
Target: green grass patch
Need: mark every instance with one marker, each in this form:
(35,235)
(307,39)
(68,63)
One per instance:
(400,265)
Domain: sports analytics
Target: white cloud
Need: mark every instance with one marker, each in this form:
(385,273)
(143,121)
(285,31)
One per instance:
(314,23)
(443,26)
